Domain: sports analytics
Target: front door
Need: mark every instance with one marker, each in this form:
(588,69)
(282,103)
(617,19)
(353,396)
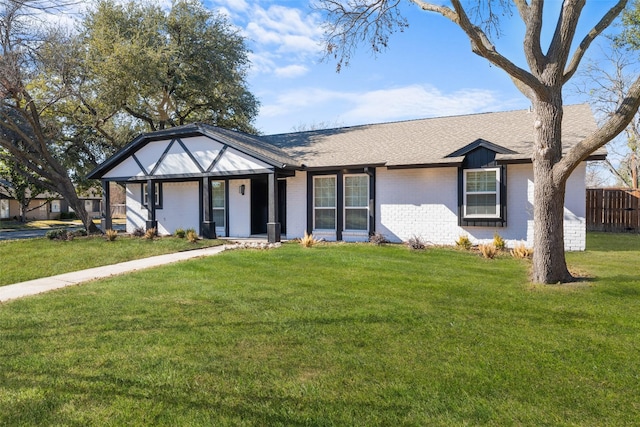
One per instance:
(282,205)
(259,205)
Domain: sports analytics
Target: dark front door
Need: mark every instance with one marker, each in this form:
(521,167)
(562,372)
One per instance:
(259,205)
(282,205)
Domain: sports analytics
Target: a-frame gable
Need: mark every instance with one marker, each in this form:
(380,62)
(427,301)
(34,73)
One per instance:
(190,151)
(480,143)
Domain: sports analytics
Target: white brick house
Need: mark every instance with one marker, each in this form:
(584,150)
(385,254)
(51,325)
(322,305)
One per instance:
(436,179)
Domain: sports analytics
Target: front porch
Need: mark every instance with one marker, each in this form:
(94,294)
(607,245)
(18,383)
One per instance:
(195,176)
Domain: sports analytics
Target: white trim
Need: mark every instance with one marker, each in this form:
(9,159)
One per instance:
(344,203)
(222,208)
(335,202)
(496,192)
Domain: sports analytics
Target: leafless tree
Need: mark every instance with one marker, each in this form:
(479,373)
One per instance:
(352,22)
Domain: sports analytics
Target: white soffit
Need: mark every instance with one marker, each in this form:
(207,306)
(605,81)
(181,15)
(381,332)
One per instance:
(128,168)
(203,149)
(149,155)
(234,161)
(176,161)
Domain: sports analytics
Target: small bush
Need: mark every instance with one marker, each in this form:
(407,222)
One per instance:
(521,251)
(488,250)
(308,240)
(59,234)
(192,236)
(111,235)
(499,242)
(180,233)
(151,233)
(416,243)
(190,230)
(138,232)
(80,233)
(464,242)
(378,239)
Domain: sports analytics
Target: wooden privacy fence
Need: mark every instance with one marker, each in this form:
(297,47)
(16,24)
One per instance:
(613,209)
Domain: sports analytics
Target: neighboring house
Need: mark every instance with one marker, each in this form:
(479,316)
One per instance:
(44,206)
(435,178)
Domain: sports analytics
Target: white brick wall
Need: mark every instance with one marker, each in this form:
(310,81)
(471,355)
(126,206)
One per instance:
(410,202)
(179,207)
(296,205)
(424,203)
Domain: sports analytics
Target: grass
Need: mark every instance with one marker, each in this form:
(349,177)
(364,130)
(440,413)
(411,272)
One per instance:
(331,335)
(29,259)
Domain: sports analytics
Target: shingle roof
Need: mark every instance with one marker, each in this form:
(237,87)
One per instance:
(428,141)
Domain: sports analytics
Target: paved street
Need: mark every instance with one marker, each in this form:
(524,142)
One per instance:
(30,234)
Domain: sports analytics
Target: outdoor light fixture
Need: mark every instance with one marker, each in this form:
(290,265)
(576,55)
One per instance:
(242,186)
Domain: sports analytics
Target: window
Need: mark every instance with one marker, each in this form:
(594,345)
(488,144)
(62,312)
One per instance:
(55,206)
(356,202)
(4,208)
(218,202)
(481,193)
(324,202)
(158,198)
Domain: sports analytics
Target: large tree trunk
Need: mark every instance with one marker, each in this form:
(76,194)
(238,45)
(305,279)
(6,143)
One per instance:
(549,265)
(68,191)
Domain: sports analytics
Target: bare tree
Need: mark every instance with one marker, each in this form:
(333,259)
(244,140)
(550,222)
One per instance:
(607,82)
(351,22)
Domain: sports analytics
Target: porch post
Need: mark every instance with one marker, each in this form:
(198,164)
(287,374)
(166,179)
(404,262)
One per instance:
(208,227)
(105,220)
(151,204)
(273,226)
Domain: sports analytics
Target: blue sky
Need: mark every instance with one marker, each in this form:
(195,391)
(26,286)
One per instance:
(428,70)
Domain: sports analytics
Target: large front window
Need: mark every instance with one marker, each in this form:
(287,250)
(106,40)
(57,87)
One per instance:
(482,193)
(356,202)
(218,202)
(324,202)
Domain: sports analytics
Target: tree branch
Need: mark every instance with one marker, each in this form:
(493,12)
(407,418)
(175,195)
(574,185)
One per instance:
(604,23)
(617,122)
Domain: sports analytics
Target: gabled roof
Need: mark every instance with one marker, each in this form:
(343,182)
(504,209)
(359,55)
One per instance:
(245,143)
(430,142)
(442,141)
(480,143)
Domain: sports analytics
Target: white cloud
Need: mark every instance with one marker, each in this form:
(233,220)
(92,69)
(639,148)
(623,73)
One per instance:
(235,5)
(285,29)
(378,106)
(418,101)
(291,71)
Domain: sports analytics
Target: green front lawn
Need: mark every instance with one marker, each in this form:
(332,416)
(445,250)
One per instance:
(28,259)
(331,335)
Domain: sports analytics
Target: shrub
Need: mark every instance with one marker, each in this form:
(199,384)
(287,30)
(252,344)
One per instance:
(488,250)
(378,239)
(190,230)
(59,234)
(308,240)
(463,242)
(138,232)
(151,233)
(416,243)
(521,251)
(192,236)
(499,242)
(80,232)
(111,235)
(180,233)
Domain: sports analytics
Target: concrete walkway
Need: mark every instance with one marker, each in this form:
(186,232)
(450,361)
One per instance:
(37,286)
